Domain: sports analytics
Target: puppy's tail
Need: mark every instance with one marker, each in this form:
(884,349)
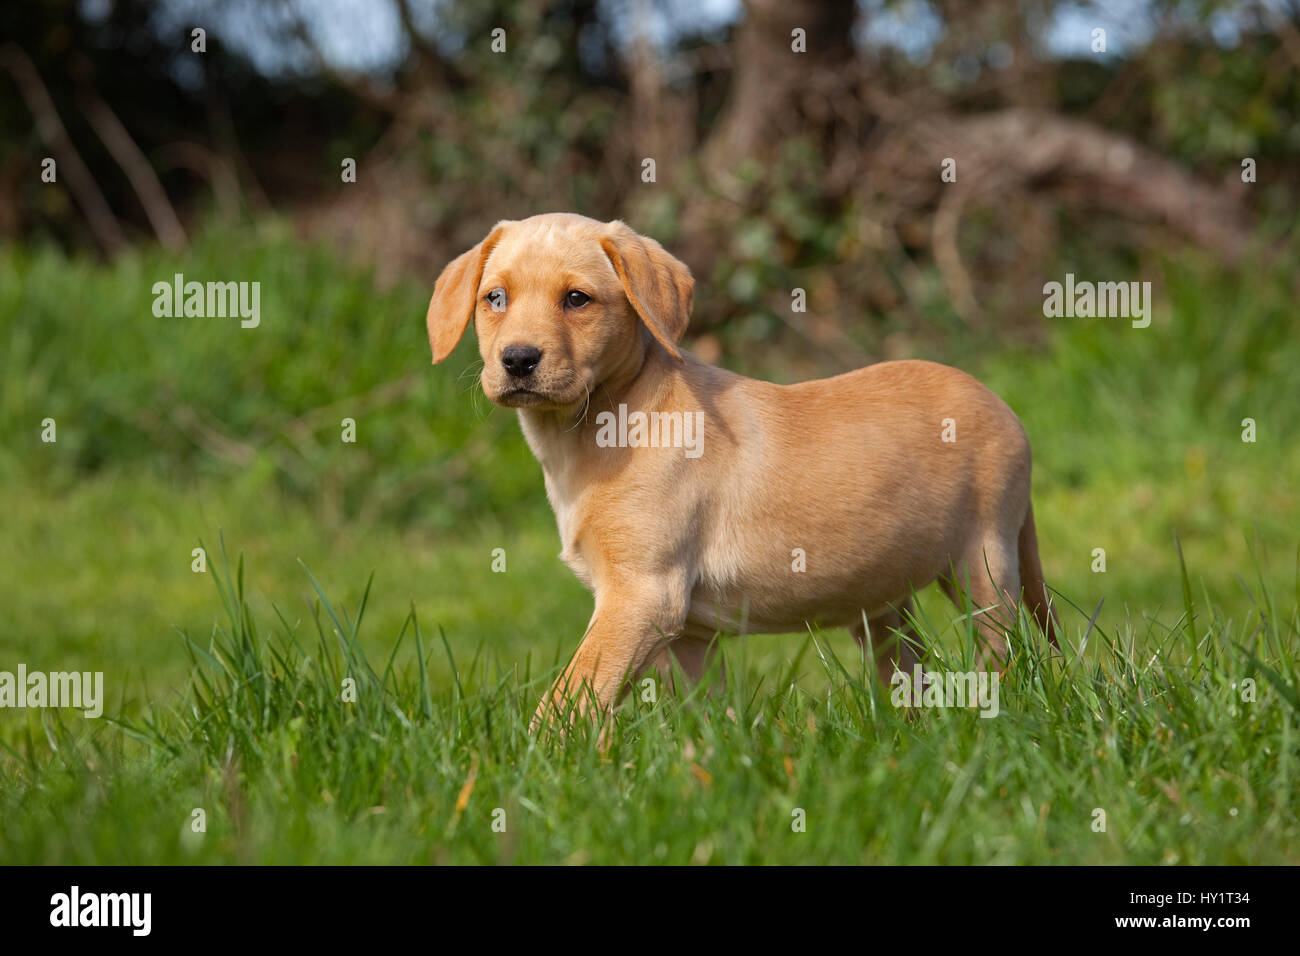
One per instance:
(1031,580)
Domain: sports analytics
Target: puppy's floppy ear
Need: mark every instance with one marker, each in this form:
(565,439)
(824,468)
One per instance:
(659,287)
(452,305)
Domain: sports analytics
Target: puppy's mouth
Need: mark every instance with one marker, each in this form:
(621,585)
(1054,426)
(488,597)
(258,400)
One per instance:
(521,397)
(529,393)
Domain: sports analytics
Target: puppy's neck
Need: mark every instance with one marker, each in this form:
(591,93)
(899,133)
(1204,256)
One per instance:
(559,436)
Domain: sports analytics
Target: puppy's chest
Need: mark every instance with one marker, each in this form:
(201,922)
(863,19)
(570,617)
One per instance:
(569,523)
(572,555)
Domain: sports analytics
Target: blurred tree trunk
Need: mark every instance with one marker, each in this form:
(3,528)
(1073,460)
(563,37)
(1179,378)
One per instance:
(771,89)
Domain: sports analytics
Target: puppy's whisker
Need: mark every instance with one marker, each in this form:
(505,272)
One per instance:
(471,372)
(586,404)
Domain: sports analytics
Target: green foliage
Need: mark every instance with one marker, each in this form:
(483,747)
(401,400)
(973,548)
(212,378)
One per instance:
(183,396)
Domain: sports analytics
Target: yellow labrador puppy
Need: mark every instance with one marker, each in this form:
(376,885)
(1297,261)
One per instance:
(691,500)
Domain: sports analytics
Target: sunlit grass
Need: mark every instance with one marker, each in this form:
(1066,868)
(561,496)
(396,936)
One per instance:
(1137,444)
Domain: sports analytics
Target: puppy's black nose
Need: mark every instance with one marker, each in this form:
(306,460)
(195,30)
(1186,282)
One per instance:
(520,360)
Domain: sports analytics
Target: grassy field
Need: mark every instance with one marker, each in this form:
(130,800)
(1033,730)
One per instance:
(223,686)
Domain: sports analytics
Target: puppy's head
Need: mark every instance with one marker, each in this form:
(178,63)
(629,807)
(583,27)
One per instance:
(561,304)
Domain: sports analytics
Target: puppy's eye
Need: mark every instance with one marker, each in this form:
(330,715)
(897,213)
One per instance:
(576,299)
(497,299)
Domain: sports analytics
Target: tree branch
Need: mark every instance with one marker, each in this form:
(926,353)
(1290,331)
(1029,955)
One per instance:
(105,227)
(162,216)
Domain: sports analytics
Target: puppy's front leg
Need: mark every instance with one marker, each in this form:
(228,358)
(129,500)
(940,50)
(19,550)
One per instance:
(635,619)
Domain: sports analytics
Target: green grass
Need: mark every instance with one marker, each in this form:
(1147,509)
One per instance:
(1136,436)
(1149,727)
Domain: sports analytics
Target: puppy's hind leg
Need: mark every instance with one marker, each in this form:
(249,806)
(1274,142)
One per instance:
(693,655)
(893,639)
(990,576)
